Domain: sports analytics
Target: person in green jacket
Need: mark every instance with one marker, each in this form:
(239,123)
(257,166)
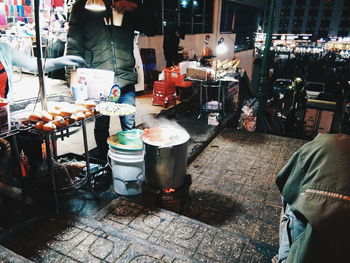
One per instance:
(103,45)
(315,187)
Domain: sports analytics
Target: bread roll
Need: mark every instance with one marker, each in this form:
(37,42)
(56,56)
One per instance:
(59,121)
(73,118)
(65,112)
(49,126)
(63,105)
(79,102)
(46,117)
(39,125)
(80,108)
(80,116)
(88,114)
(34,116)
(89,104)
(54,113)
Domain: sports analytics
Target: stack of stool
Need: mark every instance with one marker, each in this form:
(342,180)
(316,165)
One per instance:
(183,87)
(164,93)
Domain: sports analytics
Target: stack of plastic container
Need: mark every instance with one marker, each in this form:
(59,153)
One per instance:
(164,91)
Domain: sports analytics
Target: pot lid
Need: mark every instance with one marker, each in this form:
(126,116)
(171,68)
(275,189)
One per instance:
(165,136)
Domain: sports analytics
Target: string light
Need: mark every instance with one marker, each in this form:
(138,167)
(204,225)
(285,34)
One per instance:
(184,3)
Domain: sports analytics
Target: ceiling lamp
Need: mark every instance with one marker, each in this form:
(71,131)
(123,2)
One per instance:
(95,5)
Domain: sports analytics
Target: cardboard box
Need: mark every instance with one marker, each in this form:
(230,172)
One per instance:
(184,65)
(197,73)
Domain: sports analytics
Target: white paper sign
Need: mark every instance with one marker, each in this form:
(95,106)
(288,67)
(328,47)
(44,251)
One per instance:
(99,82)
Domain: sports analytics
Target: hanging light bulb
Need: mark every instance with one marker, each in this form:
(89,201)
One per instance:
(221,48)
(95,5)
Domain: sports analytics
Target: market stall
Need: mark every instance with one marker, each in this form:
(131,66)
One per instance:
(40,122)
(214,82)
(63,118)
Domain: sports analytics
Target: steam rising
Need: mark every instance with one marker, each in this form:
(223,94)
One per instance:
(152,122)
(163,132)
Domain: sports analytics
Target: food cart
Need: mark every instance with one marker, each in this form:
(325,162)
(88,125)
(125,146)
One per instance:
(47,119)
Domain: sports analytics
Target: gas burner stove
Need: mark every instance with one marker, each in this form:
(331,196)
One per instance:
(171,199)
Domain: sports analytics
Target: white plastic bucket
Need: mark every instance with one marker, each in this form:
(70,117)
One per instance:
(127,170)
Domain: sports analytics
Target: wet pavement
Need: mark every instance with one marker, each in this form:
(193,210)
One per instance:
(232,214)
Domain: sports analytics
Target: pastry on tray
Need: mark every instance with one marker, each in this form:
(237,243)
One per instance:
(115,109)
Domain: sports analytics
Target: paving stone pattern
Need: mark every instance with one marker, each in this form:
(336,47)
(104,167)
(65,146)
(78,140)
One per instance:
(183,235)
(232,215)
(233,184)
(75,239)
(8,256)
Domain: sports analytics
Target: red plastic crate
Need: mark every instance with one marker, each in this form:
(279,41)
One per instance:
(173,76)
(176,77)
(163,100)
(164,88)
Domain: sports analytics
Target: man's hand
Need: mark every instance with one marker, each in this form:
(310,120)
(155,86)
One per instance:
(64,61)
(124,5)
(69,60)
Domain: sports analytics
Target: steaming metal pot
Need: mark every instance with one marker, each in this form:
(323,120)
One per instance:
(165,165)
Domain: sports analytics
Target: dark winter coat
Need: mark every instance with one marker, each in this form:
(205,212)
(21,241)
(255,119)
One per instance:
(104,46)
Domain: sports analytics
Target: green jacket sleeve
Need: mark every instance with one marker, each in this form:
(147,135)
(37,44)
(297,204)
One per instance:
(290,172)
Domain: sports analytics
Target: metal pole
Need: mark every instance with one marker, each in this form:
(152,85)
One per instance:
(50,169)
(39,55)
(218,18)
(262,83)
(89,176)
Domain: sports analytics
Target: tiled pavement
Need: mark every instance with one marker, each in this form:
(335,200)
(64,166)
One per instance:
(183,235)
(233,183)
(76,239)
(232,217)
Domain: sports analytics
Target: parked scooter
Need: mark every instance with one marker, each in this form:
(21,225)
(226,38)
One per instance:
(286,109)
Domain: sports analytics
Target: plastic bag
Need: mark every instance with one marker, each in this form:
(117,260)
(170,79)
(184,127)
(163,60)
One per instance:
(247,120)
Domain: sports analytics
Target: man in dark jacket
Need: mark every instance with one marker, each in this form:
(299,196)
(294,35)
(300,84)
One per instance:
(109,47)
(171,43)
(315,186)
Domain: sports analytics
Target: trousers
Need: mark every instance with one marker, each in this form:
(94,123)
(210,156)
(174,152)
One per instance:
(290,229)
(101,130)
